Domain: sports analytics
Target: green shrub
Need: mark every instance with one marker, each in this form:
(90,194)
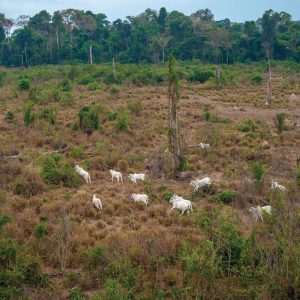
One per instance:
(85,80)
(24,84)
(55,171)
(2,77)
(257,79)
(28,185)
(65,85)
(77,152)
(48,114)
(40,230)
(88,118)
(28,115)
(75,127)
(135,107)
(248,125)
(4,220)
(226,196)
(257,169)
(167,196)
(114,90)
(9,115)
(95,256)
(279,121)
(207,114)
(111,79)
(76,294)
(93,86)
(201,76)
(123,121)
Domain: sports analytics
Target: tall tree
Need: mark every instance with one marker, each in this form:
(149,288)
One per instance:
(173,91)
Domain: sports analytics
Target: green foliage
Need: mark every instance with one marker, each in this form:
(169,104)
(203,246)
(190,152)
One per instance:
(257,79)
(279,121)
(28,115)
(75,127)
(65,85)
(4,220)
(2,77)
(201,76)
(24,83)
(167,196)
(257,169)
(207,114)
(56,170)
(77,294)
(88,118)
(9,115)
(40,230)
(48,114)
(248,125)
(123,121)
(114,90)
(226,196)
(77,152)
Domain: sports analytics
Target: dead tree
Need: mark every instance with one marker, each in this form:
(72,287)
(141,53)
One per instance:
(114,67)
(269,82)
(174,143)
(91,54)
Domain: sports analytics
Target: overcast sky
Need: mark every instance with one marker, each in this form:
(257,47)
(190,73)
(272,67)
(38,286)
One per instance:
(235,10)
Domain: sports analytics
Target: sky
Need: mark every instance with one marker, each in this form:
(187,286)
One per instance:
(235,10)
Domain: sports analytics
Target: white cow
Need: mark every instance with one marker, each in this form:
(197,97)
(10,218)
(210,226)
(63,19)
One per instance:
(117,175)
(200,183)
(140,198)
(83,174)
(97,202)
(183,205)
(276,185)
(134,177)
(204,146)
(258,211)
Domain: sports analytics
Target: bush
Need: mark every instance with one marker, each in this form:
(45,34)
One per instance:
(24,84)
(201,76)
(88,118)
(9,116)
(167,196)
(55,171)
(77,294)
(279,121)
(75,127)
(112,115)
(28,114)
(123,122)
(207,114)
(248,125)
(258,171)
(226,196)
(2,77)
(257,79)
(48,114)
(114,90)
(65,85)
(77,152)
(40,230)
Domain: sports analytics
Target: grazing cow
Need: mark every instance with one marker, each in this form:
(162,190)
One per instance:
(117,175)
(97,202)
(276,185)
(200,183)
(83,174)
(140,198)
(204,146)
(258,211)
(183,205)
(134,177)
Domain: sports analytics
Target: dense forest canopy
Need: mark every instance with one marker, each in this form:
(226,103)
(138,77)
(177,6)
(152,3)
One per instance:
(67,36)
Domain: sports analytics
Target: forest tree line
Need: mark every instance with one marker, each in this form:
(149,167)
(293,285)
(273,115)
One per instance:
(71,36)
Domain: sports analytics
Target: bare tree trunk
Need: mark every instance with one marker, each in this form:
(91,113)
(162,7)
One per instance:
(163,55)
(269,85)
(174,132)
(91,54)
(114,67)
(57,38)
(26,58)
